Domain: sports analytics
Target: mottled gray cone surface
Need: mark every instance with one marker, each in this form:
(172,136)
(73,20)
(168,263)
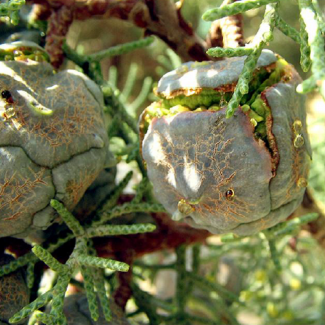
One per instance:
(242,174)
(53,142)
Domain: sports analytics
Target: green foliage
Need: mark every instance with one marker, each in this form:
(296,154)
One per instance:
(310,39)
(269,278)
(234,9)
(11,9)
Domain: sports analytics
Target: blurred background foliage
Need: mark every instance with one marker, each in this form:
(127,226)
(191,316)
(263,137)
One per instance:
(296,295)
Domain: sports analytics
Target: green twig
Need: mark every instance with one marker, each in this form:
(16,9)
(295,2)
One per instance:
(68,218)
(114,196)
(229,52)
(80,59)
(58,300)
(316,44)
(115,230)
(30,277)
(87,274)
(182,280)
(143,300)
(234,9)
(33,306)
(129,83)
(119,49)
(129,208)
(140,190)
(263,36)
(99,281)
(305,60)
(11,9)
(212,286)
(102,263)
(49,260)
(145,90)
(287,29)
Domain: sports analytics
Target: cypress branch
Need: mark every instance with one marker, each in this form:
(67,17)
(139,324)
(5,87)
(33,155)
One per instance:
(274,255)
(33,306)
(287,29)
(102,263)
(129,83)
(58,300)
(87,274)
(120,49)
(112,51)
(144,92)
(182,280)
(17,263)
(68,218)
(49,260)
(114,230)
(229,52)
(128,208)
(213,286)
(316,44)
(140,190)
(234,9)
(264,35)
(305,60)
(45,318)
(30,275)
(99,281)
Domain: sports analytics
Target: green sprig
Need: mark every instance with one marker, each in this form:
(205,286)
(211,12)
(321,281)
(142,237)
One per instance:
(293,224)
(129,208)
(143,95)
(102,263)
(213,286)
(99,281)
(33,306)
(58,300)
(274,255)
(80,59)
(316,44)
(234,9)
(182,280)
(110,203)
(263,36)
(87,274)
(287,29)
(230,238)
(120,49)
(144,302)
(17,263)
(68,218)
(305,60)
(129,83)
(229,52)
(141,188)
(31,257)
(114,230)
(45,318)
(30,278)
(49,260)
(11,9)
(320,15)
